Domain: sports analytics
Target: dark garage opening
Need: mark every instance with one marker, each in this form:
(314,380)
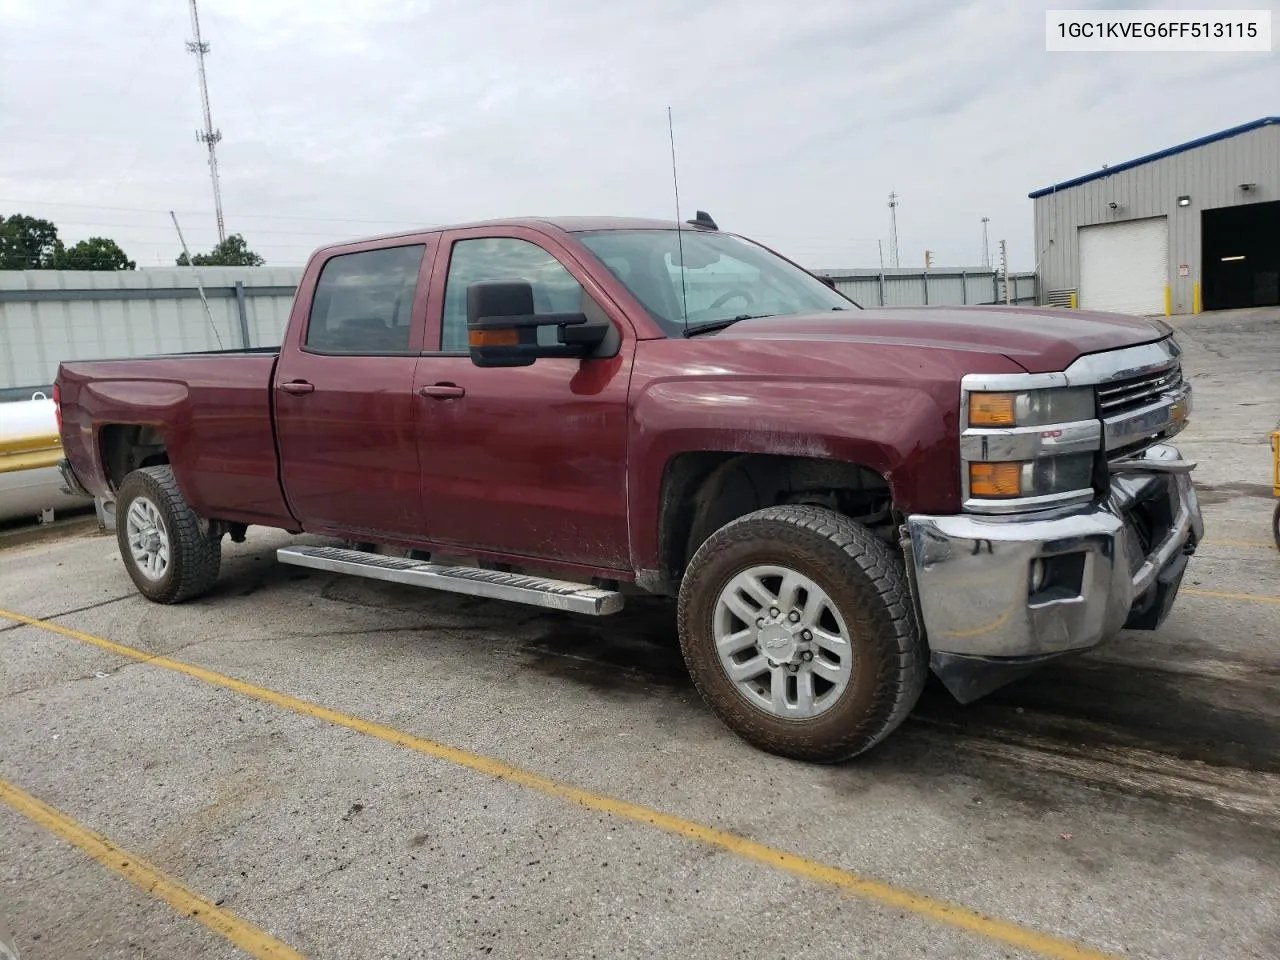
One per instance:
(1241,256)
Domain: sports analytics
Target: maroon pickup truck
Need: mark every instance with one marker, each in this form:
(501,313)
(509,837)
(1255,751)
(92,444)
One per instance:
(559,412)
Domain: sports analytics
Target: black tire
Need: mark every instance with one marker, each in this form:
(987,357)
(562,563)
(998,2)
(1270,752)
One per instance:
(1275,525)
(864,579)
(194,555)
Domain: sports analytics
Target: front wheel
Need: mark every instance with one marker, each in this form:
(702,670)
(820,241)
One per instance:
(166,548)
(797,626)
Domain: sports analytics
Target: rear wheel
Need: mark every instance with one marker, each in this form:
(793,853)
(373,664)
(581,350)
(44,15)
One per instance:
(166,548)
(796,624)
(1275,525)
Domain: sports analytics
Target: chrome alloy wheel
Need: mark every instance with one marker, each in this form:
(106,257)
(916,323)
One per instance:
(782,642)
(148,538)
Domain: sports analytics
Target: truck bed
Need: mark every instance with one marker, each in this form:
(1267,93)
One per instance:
(211,412)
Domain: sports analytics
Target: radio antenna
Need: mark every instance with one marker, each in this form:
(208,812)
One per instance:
(675,180)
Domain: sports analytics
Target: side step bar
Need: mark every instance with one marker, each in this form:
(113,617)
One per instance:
(474,582)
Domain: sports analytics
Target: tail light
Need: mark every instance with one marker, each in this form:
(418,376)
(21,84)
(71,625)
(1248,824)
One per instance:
(57,407)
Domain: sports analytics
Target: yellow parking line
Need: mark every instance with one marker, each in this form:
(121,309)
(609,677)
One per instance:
(1222,595)
(1000,931)
(255,942)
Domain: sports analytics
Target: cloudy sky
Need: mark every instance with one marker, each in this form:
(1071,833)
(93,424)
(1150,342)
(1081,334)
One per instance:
(793,122)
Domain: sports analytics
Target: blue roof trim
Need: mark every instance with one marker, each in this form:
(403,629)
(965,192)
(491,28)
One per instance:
(1130,164)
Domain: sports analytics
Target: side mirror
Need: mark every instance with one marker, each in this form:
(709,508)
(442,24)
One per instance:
(502,329)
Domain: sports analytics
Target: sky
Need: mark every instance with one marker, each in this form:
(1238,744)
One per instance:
(792,122)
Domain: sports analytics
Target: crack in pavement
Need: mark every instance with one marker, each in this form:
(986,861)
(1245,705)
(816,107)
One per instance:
(69,613)
(61,681)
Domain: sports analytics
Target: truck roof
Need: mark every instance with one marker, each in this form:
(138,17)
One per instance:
(567,224)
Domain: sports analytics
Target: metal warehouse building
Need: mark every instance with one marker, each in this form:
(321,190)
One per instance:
(1194,227)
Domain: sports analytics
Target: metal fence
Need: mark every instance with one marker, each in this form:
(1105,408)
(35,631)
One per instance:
(47,316)
(950,286)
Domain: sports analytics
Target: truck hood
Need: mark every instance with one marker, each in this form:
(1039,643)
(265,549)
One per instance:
(1038,340)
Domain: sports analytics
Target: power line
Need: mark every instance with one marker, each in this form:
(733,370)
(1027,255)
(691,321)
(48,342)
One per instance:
(62,224)
(238,216)
(424,225)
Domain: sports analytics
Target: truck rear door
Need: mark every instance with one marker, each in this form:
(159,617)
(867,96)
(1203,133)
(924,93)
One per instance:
(343,391)
(529,461)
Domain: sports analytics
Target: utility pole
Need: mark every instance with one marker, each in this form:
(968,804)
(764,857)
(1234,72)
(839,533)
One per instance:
(986,250)
(209,135)
(928,259)
(892,225)
(1004,270)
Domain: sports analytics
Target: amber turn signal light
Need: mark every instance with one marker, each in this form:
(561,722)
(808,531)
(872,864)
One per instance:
(991,410)
(995,479)
(510,337)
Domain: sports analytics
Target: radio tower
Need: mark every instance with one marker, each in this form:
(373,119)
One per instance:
(209,135)
(893,224)
(986,251)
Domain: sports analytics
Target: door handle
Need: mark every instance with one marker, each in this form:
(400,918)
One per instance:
(442,391)
(298,386)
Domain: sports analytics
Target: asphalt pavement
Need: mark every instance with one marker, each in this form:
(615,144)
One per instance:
(305,764)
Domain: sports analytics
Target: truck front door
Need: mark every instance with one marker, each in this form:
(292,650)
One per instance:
(527,461)
(343,392)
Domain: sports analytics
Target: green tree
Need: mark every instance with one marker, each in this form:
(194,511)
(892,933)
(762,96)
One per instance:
(231,252)
(96,253)
(28,243)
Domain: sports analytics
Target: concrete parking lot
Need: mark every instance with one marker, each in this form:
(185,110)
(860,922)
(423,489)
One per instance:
(302,764)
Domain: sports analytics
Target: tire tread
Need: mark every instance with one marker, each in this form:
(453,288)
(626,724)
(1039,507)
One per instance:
(887,618)
(194,556)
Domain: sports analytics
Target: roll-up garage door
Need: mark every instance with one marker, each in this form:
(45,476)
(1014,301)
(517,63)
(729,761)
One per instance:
(1124,266)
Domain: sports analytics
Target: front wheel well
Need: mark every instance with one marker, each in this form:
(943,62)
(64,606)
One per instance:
(127,447)
(702,491)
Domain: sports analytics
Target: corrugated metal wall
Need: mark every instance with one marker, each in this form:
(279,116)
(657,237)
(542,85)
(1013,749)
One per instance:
(47,316)
(952,286)
(1210,175)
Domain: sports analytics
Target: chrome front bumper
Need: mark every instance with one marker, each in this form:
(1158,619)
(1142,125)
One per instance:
(1109,565)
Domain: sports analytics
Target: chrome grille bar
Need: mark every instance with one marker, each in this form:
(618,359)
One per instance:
(1129,394)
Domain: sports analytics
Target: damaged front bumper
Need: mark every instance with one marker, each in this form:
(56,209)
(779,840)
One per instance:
(998,596)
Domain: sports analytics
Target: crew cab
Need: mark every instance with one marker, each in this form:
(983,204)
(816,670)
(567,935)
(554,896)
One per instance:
(564,411)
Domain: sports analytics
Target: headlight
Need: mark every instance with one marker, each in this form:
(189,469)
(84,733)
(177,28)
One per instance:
(1031,408)
(1031,478)
(1030,448)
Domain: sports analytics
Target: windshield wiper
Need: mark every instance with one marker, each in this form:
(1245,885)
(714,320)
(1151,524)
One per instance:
(711,325)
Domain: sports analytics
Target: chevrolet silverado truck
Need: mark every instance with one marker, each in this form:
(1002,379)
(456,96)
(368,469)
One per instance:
(564,412)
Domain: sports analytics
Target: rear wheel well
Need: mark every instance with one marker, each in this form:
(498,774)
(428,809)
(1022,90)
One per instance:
(703,491)
(126,447)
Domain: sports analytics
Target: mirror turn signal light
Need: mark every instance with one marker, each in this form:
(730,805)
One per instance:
(995,479)
(508,337)
(991,410)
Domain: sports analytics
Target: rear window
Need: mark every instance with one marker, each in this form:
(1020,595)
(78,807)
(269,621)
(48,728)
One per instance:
(363,302)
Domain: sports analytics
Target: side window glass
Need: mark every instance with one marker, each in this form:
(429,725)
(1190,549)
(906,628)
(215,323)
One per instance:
(363,302)
(505,258)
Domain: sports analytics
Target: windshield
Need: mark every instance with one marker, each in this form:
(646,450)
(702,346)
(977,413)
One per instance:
(723,277)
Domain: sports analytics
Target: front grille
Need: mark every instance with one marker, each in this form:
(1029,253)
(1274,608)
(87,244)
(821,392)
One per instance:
(1121,396)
